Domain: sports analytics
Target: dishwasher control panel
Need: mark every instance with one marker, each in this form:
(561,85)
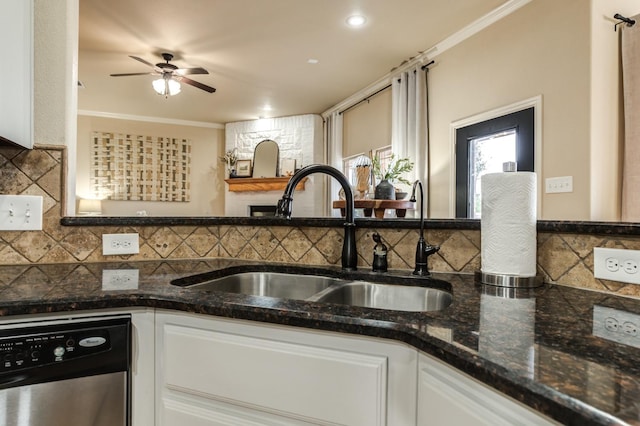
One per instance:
(41,348)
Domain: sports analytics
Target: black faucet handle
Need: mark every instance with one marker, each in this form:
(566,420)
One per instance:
(423,251)
(429,250)
(284,207)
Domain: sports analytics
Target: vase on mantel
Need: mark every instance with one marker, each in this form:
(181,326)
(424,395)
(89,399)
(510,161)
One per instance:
(385,191)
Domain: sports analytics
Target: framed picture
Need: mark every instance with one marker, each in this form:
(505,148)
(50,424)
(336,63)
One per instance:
(243,168)
(287,167)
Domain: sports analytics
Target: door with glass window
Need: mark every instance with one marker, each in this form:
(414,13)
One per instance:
(483,147)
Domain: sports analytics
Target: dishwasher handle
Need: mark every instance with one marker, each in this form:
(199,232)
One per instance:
(12,381)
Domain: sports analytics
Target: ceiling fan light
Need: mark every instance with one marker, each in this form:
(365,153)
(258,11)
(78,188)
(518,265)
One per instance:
(174,87)
(166,87)
(159,86)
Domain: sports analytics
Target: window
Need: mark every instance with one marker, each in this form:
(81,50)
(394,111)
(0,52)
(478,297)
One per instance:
(349,165)
(482,148)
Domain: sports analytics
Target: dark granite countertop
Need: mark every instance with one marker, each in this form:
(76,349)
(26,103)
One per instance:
(581,227)
(535,345)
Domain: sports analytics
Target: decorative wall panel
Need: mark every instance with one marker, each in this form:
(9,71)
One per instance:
(140,168)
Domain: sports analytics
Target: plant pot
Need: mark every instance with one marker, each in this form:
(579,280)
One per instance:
(385,191)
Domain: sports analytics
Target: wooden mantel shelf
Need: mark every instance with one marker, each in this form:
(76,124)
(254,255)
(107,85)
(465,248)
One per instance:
(261,184)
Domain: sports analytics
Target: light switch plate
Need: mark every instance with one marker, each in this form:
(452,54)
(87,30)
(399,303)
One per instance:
(559,184)
(20,212)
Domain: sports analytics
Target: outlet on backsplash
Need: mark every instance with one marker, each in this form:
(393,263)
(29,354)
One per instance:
(115,244)
(616,264)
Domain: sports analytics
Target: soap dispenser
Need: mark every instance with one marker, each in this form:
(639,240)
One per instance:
(379,254)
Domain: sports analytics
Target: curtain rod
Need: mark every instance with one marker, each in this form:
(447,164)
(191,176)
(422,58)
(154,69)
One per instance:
(364,99)
(424,67)
(623,19)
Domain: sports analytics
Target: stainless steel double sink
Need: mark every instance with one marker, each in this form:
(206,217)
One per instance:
(330,290)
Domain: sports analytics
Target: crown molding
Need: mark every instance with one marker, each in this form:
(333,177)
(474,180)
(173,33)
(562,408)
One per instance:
(475,27)
(160,120)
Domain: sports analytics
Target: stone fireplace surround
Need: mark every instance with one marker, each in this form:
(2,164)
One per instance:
(299,138)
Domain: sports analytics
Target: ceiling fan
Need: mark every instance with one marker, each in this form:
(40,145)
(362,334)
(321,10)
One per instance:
(171,76)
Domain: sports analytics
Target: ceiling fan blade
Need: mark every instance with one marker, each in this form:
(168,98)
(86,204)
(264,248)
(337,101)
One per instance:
(133,73)
(149,64)
(196,84)
(187,71)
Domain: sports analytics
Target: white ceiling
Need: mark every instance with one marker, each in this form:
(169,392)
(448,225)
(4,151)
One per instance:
(256,51)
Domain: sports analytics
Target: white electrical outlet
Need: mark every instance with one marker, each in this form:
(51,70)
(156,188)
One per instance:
(114,244)
(120,279)
(559,184)
(616,325)
(616,264)
(20,212)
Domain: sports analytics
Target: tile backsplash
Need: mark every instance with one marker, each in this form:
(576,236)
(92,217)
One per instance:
(565,259)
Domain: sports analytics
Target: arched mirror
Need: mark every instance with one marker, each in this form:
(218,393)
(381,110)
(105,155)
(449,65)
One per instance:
(265,159)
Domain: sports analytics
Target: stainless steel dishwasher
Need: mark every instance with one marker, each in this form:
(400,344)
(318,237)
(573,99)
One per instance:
(67,372)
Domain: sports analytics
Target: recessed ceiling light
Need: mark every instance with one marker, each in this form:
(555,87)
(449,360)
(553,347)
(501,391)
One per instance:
(267,107)
(356,20)
(312,61)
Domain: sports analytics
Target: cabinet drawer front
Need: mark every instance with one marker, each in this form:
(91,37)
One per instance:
(300,381)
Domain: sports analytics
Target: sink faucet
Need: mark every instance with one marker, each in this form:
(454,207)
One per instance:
(349,253)
(423,250)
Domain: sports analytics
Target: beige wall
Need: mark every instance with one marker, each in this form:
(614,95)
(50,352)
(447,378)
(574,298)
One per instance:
(207,173)
(574,64)
(542,49)
(367,125)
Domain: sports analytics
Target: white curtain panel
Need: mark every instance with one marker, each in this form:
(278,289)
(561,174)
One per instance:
(409,135)
(333,144)
(631,89)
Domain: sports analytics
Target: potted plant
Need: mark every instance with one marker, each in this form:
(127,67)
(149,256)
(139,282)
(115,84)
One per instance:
(385,190)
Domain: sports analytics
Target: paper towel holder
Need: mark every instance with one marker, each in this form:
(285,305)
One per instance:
(507,292)
(504,280)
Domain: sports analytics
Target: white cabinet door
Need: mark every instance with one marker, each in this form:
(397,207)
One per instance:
(279,375)
(142,367)
(16,72)
(449,397)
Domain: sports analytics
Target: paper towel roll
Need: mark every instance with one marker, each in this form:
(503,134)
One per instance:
(508,224)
